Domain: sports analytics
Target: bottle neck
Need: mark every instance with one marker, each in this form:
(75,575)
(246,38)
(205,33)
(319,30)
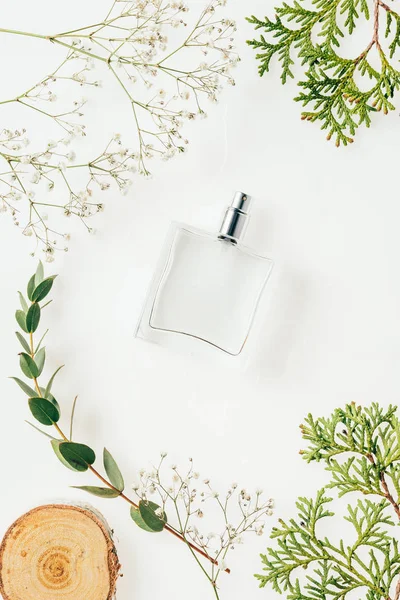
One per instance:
(234,225)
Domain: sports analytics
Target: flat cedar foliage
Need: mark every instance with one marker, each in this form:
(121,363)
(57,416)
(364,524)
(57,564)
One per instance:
(361,450)
(341,93)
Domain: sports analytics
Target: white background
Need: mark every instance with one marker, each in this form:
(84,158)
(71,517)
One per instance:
(329,334)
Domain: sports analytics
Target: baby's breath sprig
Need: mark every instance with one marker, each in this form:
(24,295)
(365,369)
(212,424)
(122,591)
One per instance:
(163,88)
(174,501)
(194,504)
(41,96)
(43,170)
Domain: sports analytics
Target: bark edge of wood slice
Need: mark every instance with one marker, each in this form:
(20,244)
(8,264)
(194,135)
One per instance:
(58,552)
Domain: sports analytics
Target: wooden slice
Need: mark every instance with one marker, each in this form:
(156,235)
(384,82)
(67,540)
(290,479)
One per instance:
(58,552)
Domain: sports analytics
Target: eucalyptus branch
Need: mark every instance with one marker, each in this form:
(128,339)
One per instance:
(132,44)
(343,93)
(178,492)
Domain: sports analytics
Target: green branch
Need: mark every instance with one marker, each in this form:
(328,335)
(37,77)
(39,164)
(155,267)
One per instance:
(182,493)
(361,451)
(340,93)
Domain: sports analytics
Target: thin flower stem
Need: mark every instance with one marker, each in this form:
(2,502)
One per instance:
(24,33)
(140,51)
(33,107)
(77,49)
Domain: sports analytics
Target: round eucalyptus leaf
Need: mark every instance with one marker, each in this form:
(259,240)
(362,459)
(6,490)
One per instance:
(77,457)
(44,411)
(137,518)
(153,515)
(50,397)
(55,444)
(33,317)
(41,291)
(28,366)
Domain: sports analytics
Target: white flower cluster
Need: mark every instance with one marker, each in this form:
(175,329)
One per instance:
(52,167)
(133,44)
(189,500)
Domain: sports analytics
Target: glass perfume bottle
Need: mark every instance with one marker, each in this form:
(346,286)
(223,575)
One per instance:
(207,286)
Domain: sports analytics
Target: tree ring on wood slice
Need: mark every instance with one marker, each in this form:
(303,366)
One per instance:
(58,552)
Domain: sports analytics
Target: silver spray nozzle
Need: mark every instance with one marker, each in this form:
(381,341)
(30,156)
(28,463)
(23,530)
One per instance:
(236,218)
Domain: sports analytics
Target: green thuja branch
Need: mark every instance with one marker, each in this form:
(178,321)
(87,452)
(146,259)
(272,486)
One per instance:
(361,450)
(340,93)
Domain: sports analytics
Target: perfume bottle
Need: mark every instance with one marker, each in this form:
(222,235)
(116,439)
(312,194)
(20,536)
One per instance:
(207,286)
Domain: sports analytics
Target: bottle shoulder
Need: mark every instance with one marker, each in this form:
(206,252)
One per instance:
(182,231)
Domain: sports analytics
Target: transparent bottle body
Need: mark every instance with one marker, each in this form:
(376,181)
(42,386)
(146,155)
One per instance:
(204,288)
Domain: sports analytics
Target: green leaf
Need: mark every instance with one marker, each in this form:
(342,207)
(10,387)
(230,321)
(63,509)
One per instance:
(40,431)
(49,396)
(47,303)
(21,320)
(55,444)
(33,317)
(23,302)
(41,340)
(43,289)
(306,39)
(23,342)
(40,358)
(77,457)
(97,491)
(24,387)
(112,470)
(44,411)
(28,366)
(39,275)
(51,380)
(149,513)
(136,517)
(31,287)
